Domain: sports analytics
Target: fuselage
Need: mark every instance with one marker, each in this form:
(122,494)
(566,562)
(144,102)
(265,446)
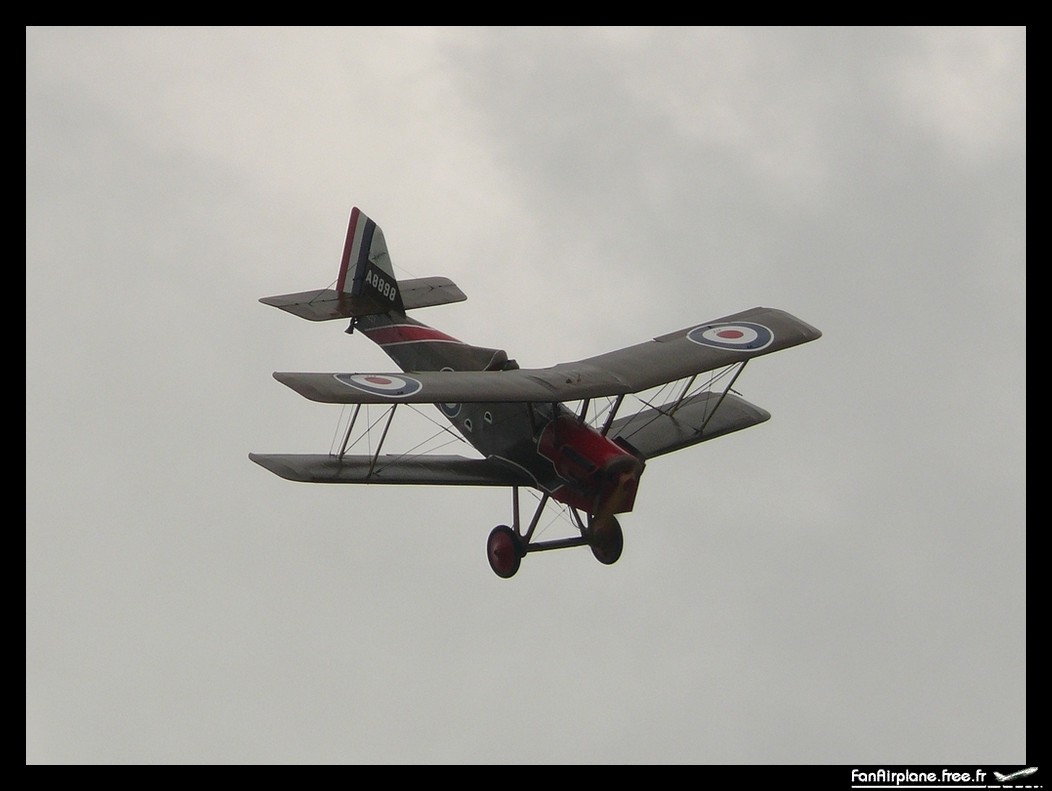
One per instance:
(566,457)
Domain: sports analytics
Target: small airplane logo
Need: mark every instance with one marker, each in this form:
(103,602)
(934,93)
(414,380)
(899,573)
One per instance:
(1015,775)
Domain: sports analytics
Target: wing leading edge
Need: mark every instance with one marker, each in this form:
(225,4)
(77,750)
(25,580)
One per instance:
(677,355)
(433,470)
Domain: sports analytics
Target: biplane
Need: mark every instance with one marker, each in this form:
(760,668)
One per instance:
(530,427)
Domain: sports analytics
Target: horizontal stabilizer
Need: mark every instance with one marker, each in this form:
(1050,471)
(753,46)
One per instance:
(654,432)
(327,304)
(434,470)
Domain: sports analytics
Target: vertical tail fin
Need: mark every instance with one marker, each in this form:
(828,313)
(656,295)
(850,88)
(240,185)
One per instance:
(366,284)
(366,270)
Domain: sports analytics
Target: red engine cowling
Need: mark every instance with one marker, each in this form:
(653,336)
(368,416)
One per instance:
(602,476)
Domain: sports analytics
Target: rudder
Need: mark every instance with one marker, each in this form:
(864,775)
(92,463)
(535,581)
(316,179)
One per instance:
(366,284)
(365,269)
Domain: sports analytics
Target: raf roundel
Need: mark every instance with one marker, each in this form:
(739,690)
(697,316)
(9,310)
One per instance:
(382,384)
(449,410)
(740,335)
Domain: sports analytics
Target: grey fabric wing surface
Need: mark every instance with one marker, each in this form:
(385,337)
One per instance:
(433,470)
(438,387)
(694,350)
(704,347)
(655,432)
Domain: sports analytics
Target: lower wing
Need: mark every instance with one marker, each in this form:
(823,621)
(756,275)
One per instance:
(425,470)
(659,430)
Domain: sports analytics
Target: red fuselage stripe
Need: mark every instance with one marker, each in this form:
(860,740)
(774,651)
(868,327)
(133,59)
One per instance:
(407,333)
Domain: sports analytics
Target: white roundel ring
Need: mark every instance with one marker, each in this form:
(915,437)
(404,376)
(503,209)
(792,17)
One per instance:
(449,410)
(382,384)
(740,335)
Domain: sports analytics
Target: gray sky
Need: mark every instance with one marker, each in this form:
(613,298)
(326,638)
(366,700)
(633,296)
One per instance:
(843,584)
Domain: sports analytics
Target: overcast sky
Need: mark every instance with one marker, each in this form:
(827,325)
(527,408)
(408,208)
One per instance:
(843,584)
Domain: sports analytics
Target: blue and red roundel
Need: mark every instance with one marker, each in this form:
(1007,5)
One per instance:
(382,384)
(746,336)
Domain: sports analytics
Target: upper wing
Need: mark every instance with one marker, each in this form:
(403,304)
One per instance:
(694,350)
(705,347)
(425,470)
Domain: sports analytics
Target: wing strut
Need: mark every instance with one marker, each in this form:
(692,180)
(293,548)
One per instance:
(380,444)
(723,395)
(686,389)
(612,414)
(350,428)
(347,436)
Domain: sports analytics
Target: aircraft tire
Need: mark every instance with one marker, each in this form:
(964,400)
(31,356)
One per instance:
(504,551)
(606,540)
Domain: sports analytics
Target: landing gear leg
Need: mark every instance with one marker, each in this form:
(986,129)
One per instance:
(507,546)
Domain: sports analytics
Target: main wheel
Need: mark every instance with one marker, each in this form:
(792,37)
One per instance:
(504,550)
(606,540)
